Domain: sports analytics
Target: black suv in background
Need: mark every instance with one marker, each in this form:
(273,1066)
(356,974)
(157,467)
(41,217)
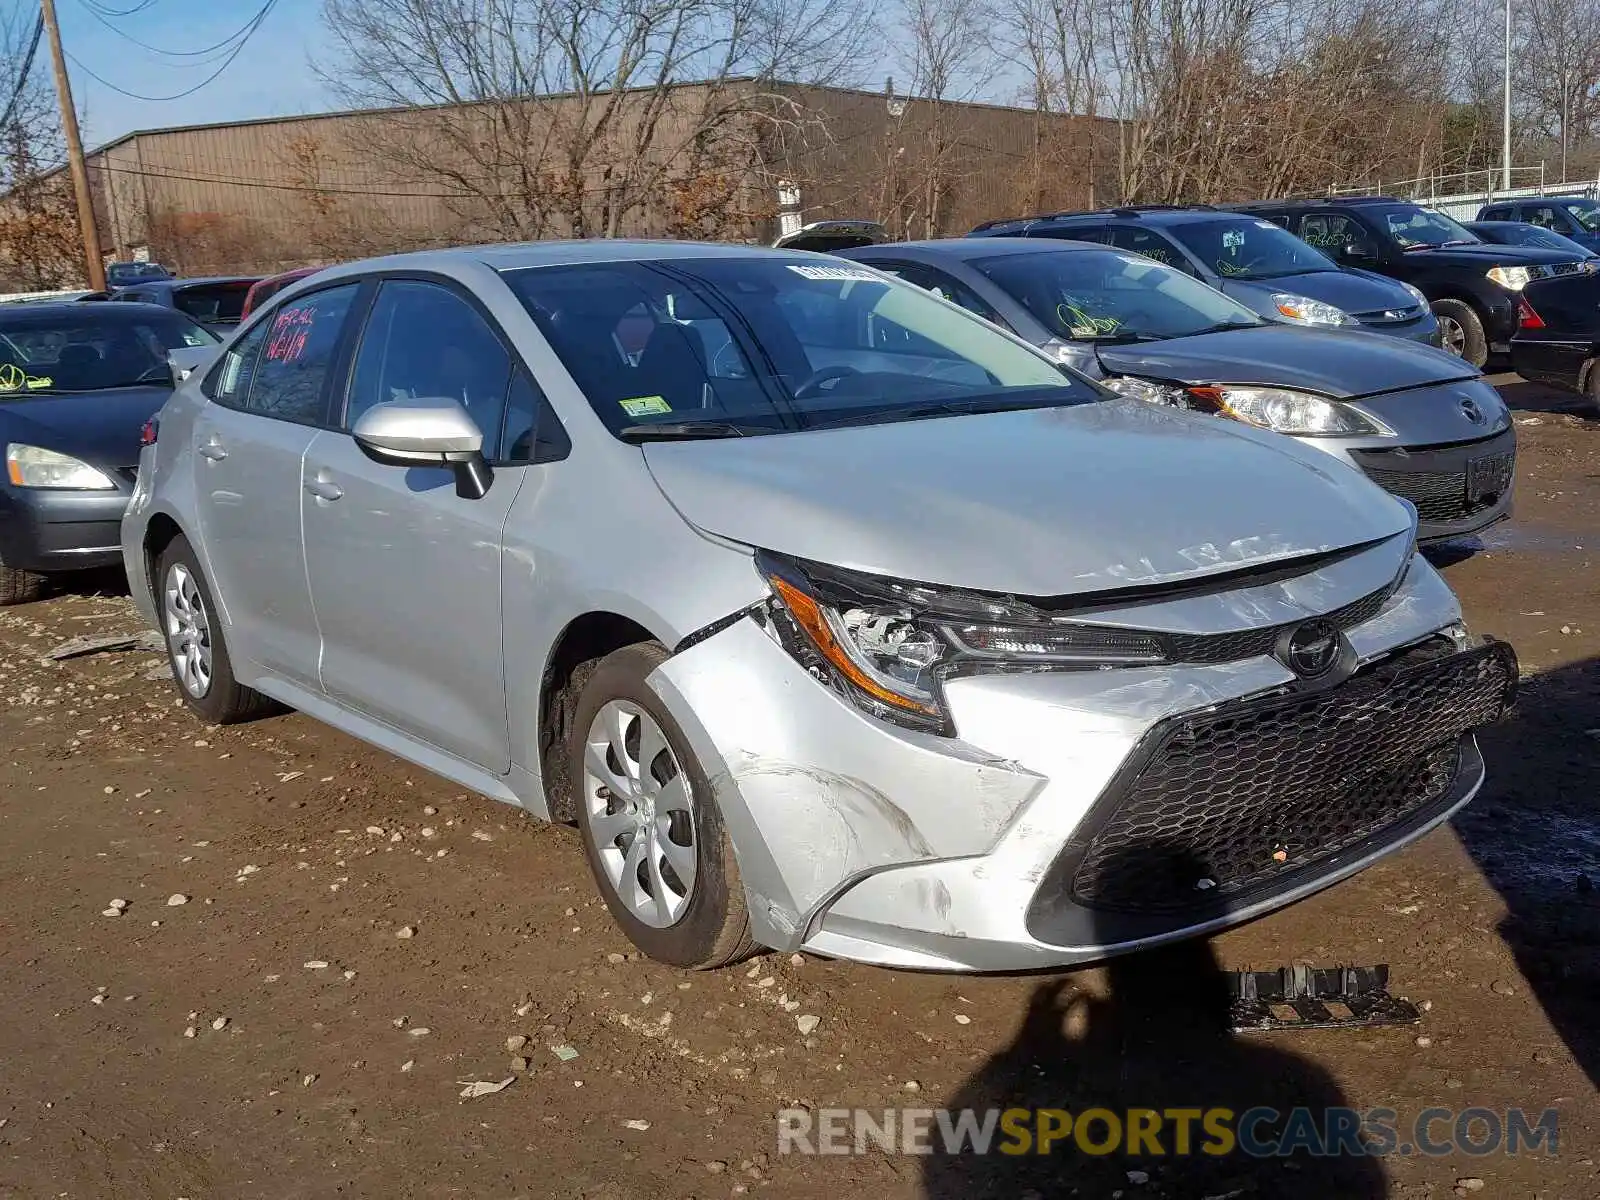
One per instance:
(1477,290)
(1250,260)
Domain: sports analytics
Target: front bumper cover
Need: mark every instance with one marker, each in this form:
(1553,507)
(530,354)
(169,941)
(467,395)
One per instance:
(923,851)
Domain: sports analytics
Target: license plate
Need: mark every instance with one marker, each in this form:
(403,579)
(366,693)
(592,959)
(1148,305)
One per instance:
(1489,475)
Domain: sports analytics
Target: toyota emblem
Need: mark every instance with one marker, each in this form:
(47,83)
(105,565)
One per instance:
(1470,410)
(1311,649)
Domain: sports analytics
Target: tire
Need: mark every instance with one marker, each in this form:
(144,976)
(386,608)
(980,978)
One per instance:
(194,639)
(19,587)
(701,923)
(1591,392)
(1461,331)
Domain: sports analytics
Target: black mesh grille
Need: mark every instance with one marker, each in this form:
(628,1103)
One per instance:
(1439,495)
(1249,643)
(1228,800)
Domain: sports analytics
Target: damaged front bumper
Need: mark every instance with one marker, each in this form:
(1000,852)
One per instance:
(1080,814)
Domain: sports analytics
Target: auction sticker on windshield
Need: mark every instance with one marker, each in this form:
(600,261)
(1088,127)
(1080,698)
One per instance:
(645,406)
(834,273)
(14,379)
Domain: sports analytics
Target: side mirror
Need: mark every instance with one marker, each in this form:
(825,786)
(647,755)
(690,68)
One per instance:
(1356,250)
(427,432)
(186,360)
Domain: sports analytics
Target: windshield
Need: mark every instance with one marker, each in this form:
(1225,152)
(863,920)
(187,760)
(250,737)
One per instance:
(213,303)
(1417,228)
(765,345)
(1249,249)
(1101,295)
(1515,234)
(109,347)
(134,272)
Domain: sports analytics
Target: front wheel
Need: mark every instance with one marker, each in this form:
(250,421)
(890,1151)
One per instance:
(19,587)
(651,828)
(1461,331)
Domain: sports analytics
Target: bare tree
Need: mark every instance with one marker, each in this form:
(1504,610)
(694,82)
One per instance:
(568,116)
(39,240)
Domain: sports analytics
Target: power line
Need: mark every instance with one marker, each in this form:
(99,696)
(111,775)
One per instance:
(249,31)
(119,12)
(244,30)
(27,68)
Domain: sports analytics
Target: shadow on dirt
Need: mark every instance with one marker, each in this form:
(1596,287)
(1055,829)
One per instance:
(1524,397)
(1158,1039)
(1535,834)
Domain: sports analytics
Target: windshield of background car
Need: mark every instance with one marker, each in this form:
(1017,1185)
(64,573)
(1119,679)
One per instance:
(213,303)
(771,344)
(1414,228)
(1585,212)
(1101,295)
(122,274)
(107,347)
(1545,239)
(1249,249)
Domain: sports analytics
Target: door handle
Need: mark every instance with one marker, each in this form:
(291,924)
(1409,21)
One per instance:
(324,489)
(214,450)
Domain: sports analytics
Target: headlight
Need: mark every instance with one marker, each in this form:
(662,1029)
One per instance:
(1306,311)
(36,467)
(1146,389)
(1514,278)
(1285,411)
(1416,294)
(888,645)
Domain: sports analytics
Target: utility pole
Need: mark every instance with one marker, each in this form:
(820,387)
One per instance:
(95,269)
(1505,120)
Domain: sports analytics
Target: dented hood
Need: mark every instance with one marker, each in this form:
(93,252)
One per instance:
(1037,503)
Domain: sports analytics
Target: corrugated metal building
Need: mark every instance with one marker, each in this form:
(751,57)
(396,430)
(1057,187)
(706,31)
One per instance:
(270,194)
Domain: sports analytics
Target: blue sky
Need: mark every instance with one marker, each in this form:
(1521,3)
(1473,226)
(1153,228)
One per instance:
(270,78)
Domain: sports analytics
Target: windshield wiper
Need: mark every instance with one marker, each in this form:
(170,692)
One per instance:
(1224,327)
(948,408)
(686,431)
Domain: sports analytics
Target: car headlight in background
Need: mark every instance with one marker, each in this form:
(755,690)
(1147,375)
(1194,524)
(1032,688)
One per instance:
(36,467)
(888,645)
(1513,278)
(1416,294)
(1304,310)
(1282,410)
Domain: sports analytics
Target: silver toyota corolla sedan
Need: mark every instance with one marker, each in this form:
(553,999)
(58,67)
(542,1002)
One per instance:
(833,616)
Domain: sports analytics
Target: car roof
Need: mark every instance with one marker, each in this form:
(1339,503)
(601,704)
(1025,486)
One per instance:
(967,249)
(1150,214)
(77,308)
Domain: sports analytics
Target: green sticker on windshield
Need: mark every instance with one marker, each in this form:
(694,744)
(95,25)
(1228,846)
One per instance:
(645,406)
(14,379)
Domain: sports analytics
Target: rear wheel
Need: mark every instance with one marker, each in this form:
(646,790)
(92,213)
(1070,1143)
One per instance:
(19,587)
(651,828)
(195,646)
(1461,331)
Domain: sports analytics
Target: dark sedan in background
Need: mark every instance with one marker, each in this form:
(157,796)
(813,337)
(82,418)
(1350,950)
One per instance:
(1520,233)
(1421,423)
(77,384)
(217,303)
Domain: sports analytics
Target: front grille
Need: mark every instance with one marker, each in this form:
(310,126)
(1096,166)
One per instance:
(1440,496)
(1389,316)
(1222,803)
(1210,648)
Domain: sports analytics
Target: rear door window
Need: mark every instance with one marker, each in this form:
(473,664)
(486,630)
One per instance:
(1150,244)
(1332,232)
(290,378)
(213,303)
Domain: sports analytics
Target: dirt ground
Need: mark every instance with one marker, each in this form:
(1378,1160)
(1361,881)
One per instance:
(277,1034)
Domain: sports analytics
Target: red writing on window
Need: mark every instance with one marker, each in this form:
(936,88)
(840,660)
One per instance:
(289,333)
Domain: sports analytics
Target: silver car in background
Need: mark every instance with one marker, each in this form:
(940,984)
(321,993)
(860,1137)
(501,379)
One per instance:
(834,617)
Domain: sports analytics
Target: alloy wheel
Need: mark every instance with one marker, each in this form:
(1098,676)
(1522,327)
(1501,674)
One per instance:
(188,630)
(1453,336)
(639,808)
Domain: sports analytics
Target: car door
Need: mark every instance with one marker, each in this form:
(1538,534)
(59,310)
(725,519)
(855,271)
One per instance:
(405,574)
(268,397)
